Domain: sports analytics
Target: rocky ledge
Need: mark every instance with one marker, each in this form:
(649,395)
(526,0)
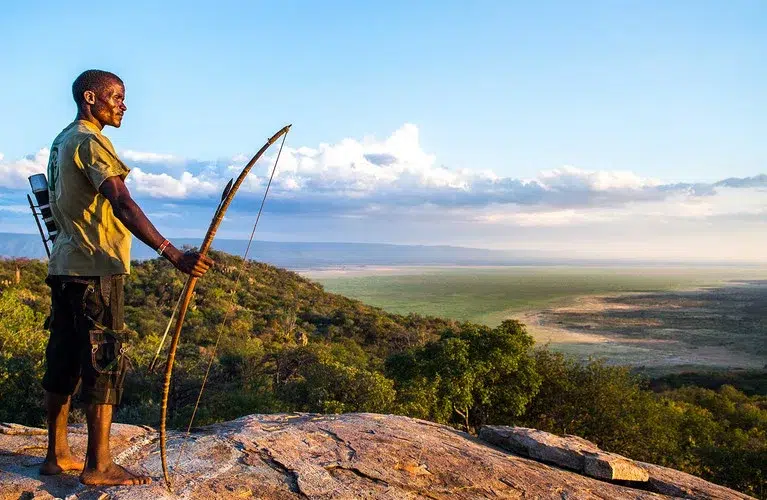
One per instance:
(349,456)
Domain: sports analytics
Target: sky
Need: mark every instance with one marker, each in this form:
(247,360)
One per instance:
(619,129)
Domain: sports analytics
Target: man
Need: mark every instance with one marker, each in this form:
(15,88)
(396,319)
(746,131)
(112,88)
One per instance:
(95,215)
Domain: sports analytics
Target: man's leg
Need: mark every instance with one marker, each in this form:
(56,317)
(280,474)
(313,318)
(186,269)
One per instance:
(100,470)
(59,458)
(62,373)
(102,386)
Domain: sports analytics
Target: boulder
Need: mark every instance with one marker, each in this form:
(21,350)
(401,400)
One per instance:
(287,456)
(583,456)
(571,452)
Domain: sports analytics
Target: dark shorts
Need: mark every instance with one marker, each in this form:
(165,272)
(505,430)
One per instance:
(87,345)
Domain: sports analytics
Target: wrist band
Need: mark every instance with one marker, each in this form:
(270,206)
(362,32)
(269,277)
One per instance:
(162,247)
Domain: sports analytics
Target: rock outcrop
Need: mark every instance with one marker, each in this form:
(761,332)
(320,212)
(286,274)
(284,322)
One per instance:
(583,456)
(348,456)
(571,452)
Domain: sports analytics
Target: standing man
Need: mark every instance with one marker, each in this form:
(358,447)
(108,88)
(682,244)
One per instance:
(95,215)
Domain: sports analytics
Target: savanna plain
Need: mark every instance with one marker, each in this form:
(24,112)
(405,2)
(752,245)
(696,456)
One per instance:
(657,319)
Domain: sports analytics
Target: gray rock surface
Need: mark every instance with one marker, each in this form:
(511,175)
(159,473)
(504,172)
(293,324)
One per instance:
(612,467)
(583,456)
(350,456)
(571,452)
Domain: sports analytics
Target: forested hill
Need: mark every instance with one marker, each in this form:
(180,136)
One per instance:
(287,345)
(270,304)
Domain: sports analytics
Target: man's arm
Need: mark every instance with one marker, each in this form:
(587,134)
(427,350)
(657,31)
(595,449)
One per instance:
(130,214)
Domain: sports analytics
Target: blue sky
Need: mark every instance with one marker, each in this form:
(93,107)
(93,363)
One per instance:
(493,124)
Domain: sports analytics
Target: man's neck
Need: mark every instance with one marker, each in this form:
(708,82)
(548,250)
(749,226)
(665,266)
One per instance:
(84,115)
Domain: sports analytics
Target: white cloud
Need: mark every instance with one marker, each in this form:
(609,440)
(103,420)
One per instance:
(544,218)
(369,177)
(14,174)
(354,174)
(165,186)
(724,202)
(144,157)
(569,177)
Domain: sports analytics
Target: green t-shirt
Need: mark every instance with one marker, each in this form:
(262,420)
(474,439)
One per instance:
(91,241)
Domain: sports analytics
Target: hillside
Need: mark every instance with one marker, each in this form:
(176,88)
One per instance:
(288,346)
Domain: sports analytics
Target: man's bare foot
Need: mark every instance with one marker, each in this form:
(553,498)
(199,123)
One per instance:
(113,476)
(59,465)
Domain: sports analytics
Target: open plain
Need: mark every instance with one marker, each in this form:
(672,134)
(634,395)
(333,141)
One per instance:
(659,318)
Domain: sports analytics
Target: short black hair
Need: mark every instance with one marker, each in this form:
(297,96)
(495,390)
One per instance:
(92,79)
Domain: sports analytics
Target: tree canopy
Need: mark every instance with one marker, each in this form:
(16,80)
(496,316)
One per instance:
(287,345)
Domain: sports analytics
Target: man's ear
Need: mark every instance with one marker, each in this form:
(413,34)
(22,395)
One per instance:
(89,96)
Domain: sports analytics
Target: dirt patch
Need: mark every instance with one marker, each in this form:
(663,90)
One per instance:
(544,333)
(717,327)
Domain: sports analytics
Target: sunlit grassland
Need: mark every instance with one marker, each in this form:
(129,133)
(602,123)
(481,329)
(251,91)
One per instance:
(490,294)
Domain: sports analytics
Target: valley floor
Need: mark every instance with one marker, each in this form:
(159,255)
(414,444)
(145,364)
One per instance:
(717,327)
(661,319)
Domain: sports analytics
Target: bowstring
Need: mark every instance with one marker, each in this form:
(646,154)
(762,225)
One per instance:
(156,357)
(229,314)
(165,335)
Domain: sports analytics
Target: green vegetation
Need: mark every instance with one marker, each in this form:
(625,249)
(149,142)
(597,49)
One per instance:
(489,295)
(750,382)
(287,345)
(480,374)
(657,319)
(718,435)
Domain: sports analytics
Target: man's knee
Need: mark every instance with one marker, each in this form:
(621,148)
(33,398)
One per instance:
(62,370)
(53,400)
(87,344)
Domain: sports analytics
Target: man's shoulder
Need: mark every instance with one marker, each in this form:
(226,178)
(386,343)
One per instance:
(72,134)
(78,132)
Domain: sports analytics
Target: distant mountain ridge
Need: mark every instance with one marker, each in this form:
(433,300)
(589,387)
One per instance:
(294,255)
(305,255)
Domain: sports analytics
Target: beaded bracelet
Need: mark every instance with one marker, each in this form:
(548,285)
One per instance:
(162,247)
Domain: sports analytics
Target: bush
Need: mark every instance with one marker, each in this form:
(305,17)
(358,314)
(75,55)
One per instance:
(473,375)
(22,358)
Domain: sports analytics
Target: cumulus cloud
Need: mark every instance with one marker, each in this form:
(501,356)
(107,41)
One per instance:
(542,218)
(14,174)
(369,177)
(145,157)
(358,178)
(166,186)
(572,178)
(756,181)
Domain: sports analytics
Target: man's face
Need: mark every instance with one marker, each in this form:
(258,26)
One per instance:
(108,104)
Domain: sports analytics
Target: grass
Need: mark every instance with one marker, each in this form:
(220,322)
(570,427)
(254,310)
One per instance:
(489,295)
(669,329)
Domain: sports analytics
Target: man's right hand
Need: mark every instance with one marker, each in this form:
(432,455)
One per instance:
(193,263)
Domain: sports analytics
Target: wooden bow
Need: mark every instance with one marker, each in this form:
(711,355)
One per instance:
(186,297)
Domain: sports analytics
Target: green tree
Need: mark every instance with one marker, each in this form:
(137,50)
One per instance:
(473,375)
(605,404)
(313,378)
(22,358)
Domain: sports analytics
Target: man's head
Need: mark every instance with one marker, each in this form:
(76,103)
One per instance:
(100,96)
